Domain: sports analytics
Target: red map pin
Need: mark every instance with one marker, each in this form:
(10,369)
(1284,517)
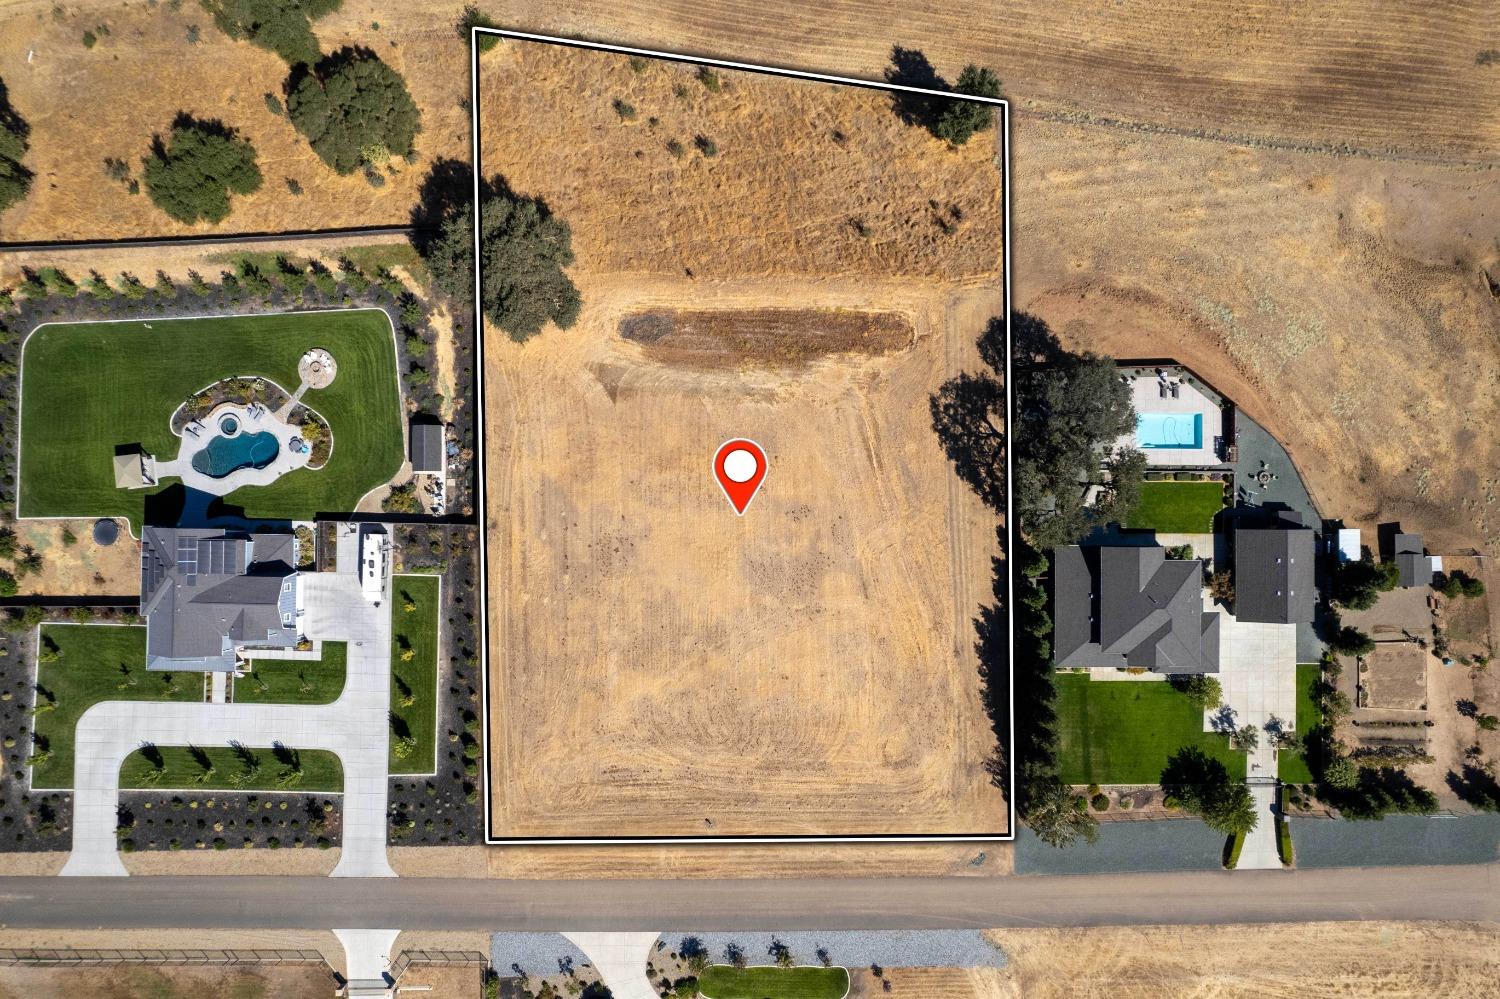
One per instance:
(740,467)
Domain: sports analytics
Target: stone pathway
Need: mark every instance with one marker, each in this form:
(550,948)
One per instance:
(355,727)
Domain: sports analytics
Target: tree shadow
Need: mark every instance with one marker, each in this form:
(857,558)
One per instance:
(912,68)
(447,189)
(10,120)
(1476,788)
(200,757)
(399,726)
(968,416)
(285,756)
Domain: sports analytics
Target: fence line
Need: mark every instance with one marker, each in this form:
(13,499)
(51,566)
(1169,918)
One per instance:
(69,956)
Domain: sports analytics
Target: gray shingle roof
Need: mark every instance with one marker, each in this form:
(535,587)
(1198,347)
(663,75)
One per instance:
(1412,560)
(206,591)
(426,446)
(1131,607)
(1273,574)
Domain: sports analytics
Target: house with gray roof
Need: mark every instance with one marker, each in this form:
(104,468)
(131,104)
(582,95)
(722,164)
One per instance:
(1273,572)
(1413,561)
(1118,607)
(209,594)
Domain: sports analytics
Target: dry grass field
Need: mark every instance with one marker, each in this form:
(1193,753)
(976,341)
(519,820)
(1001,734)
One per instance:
(659,666)
(1285,961)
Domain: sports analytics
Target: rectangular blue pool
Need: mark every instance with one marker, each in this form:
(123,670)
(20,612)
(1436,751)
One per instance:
(1169,430)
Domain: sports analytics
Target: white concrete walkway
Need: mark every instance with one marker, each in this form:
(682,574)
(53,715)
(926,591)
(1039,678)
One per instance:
(367,959)
(621,959)
(355,727)
(1259,852)
(1258,673)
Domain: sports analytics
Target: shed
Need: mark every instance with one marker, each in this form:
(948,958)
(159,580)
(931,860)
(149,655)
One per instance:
(426,437)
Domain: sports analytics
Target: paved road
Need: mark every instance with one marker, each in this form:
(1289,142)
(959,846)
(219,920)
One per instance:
(1468,893)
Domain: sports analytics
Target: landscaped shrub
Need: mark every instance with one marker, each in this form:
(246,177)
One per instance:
(473,18)
(1099,802)
(1201,689)
(192,176)
(282,26)
(354,110)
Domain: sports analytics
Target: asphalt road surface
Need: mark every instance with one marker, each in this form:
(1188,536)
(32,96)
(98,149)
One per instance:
(1464,893)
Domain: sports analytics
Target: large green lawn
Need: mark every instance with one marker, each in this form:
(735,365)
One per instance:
(725,982)
(1294,767)
(1177,507)
(295,681)
(1123,732)
(89,387)
(93,663)
(228,770)
(414,676)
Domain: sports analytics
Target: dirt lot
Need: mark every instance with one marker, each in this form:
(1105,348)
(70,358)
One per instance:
(654,657)
(167,982)
(658,665)
(1396,676)
(1307,961)
(83,567)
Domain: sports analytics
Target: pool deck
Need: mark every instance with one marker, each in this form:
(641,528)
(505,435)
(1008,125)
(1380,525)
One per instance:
(1146,395)
(252,421)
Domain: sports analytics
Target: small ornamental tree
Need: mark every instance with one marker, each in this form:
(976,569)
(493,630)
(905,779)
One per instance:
(1203,690)
(192,176)
(354,110)
(1201,785)
(960,119)
(282,26)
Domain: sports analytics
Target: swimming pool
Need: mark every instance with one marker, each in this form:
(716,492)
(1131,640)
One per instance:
(223,455)
(1169,430)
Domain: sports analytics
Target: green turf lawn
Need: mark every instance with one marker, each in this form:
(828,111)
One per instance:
(321,770)
(722,981)
(88,387)
(1177,507)
(1123,732)
(417,631)
(1293,768)
(88,670)
(294,681)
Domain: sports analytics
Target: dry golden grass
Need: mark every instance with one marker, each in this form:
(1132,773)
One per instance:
(798,165)
(84,105)
(742,861)
(167,982)
(1288,961)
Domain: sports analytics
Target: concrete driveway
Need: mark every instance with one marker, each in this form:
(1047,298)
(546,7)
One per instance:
(355,727)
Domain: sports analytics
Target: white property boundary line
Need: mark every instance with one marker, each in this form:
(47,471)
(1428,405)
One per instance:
(21,404)
(1003,106)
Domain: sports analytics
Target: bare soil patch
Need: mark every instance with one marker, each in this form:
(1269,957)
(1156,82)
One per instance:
(1289,961)
(166,982)
(1396,676)
(770,337)
(82,567)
